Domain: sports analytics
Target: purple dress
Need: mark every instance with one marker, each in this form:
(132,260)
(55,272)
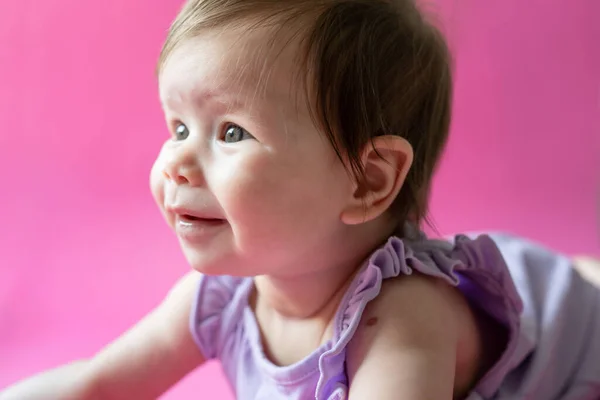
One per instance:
(551,314)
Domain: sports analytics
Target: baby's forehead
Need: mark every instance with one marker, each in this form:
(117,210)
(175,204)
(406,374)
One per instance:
(243,63)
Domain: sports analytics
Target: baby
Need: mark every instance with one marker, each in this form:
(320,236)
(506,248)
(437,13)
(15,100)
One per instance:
(304,135)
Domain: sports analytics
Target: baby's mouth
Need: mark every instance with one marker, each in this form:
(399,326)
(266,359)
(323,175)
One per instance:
(192,219)
(188,217)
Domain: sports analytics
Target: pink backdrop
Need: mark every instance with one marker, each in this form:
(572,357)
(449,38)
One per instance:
(83,252)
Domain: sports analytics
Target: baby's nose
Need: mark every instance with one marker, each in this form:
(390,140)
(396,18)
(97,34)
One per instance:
(181,167)
(175,176)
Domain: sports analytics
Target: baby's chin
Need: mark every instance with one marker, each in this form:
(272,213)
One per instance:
(215,265)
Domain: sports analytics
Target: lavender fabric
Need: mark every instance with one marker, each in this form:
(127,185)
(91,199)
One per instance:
(551,314)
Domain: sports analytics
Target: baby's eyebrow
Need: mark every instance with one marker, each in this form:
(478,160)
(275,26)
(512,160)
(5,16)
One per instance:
(222,97)
(231,100)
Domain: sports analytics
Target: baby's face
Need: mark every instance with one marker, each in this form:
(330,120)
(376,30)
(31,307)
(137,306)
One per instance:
(246,181)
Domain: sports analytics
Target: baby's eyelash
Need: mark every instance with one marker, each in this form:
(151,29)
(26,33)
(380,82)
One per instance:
(233,133)
(171,126)
(178,130)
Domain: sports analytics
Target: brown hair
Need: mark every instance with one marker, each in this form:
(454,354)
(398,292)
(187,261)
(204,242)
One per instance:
(372,68)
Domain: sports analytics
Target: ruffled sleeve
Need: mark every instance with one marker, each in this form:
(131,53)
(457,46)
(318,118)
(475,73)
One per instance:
(478,261)
(215,313)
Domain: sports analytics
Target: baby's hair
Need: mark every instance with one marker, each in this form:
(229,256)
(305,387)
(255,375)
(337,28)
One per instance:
(371,68)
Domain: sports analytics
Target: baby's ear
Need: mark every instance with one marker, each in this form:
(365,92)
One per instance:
(386,162)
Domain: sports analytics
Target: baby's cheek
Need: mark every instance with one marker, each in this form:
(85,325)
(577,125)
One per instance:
(252,199)
(156,183)
(246,198)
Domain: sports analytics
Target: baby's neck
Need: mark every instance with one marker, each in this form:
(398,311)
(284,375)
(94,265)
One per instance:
(306,296)
(319,291)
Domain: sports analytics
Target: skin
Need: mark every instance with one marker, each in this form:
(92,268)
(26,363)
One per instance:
(266,189)
(589,268)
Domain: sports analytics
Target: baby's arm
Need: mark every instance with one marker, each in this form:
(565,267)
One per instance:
(142,364)
(589,268)
(406,344)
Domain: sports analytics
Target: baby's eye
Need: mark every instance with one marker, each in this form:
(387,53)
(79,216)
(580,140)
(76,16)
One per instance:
(181,131)
(234,133)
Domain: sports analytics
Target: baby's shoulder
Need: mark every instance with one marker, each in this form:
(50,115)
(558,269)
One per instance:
(217,311)
(421,295)
(419,304)
(416,291)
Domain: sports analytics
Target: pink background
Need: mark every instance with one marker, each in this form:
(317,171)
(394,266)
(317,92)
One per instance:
(83,252)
